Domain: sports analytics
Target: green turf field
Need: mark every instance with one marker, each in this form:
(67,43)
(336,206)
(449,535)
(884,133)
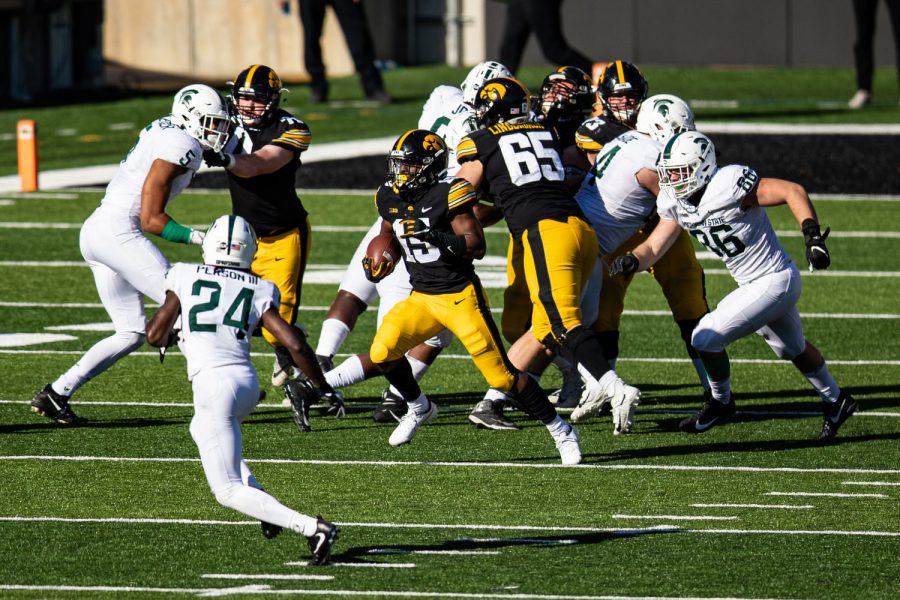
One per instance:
(101,133)
(754,509)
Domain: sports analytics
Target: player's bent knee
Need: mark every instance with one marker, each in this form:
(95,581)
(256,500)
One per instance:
(131,340)
(227,495)
(501,381)
(705,339)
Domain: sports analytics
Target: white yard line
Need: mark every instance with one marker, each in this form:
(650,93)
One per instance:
(391,551)
(457,464)
(373,565)
(478,527)
(268,576)
(826,495)
(876,483)
(676,517)
(764,506)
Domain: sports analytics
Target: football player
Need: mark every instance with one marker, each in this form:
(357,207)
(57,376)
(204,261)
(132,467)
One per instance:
(126,265)
(724,208)
(261,160)
(440,237)
(622,89)
(226,302)
(449,112)
(519,161)
(619,198)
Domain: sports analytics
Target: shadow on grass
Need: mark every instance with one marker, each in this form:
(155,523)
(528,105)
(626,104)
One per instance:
(47,425)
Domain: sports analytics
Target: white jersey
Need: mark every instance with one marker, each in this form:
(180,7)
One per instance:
(446,114)
(158,140)
(611,197)
(220,309)
(743,239)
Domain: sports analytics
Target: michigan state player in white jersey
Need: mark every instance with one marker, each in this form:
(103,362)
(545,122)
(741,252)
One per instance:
(725,210)
(126,265)
(220,304)
(449,112)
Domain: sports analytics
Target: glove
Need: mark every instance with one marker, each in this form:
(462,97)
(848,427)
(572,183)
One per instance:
(816,252)
(447,244)
(170,341)
(196,237)
(335,403)
(376,274)
(218,159)
(624,265)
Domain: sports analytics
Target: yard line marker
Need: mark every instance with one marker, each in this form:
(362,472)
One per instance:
(871,482)
(477,465)
(783,506)
(827,494)
(377,565)
(265,589)
(663,528)
(388,551)
(272,576)
(516,540)
(676,517)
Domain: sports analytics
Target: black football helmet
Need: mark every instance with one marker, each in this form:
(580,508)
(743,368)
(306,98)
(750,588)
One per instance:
(261,83)
(568,90)
(622,88)
(501,100)
(417,160)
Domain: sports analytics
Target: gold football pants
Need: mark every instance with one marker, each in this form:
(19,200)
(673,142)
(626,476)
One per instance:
(678,273)
(282,260)
(465,313)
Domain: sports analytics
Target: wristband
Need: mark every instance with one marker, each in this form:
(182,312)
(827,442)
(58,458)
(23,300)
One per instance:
(174,232)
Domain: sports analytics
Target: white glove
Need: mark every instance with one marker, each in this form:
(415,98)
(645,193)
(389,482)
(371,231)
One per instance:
(196,237)
(624,399)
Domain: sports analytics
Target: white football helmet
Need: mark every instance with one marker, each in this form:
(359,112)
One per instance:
(686,164)
(664,115)
(230,242)
(201,112)
(478,75)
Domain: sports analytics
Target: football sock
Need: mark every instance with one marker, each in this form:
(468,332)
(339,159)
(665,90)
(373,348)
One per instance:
(824,383)
(99,358)
(721,390)
(558,427)
(418,367)
(303,524)
(608,380)
(534,401)
(402,379)
(701,372)
(347,373)
(717,366)
(334,332)
(419,405)
(495,395)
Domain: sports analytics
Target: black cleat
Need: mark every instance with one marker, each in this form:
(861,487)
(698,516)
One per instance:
(322,540)
(54,406)
(835,413)
(269,530)
(325,362)
(302,395)
(390,410)
(489,415)
(712,413)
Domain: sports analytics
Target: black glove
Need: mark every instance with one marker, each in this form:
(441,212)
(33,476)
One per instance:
(218,159)
(376,274)
(447,244)
(624,265)
(816,252)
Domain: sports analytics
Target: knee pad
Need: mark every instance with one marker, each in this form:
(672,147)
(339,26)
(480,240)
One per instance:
(705,339)
(378,353)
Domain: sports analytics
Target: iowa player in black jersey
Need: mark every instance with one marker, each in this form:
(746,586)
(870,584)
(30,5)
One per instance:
(261,160)
(518,161)
(440,237)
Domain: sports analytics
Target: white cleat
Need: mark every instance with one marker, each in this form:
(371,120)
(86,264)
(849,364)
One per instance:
(569,447)
(592,400)
(409,422)
(624,398)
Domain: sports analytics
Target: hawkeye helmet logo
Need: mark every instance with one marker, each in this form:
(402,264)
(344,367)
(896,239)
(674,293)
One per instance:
(493,91)
(432,143)
(274,82)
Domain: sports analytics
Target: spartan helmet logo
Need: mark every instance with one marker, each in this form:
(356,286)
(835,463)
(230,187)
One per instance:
(663,106)
(187,96)
(492,92)
(703,143)
(431,142)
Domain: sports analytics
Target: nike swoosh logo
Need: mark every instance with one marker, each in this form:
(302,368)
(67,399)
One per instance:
(277,259)
(459,301)
(320,539)
(425,210)
(704,426)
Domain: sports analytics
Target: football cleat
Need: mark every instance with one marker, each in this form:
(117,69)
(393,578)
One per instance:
(489,415)
(335,403)
(322,540)
(592,399)
(55,407)
(302,395)
(712,413)
(325,362)
(623,400)
(390,410)
(269,530)
(569,447)
(835,413)
(570,392)
(283,369)
(405,431)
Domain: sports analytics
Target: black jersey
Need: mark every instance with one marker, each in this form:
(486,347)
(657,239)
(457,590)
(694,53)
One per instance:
(523,171)
(269,202)
(429,271)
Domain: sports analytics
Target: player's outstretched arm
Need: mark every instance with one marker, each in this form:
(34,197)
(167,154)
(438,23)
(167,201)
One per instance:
(647,253)
(155,191)
(301,353)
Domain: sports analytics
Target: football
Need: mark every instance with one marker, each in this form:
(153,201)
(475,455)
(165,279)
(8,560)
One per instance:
(384,247)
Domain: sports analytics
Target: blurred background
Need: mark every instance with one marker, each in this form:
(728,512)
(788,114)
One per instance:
(53,47)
